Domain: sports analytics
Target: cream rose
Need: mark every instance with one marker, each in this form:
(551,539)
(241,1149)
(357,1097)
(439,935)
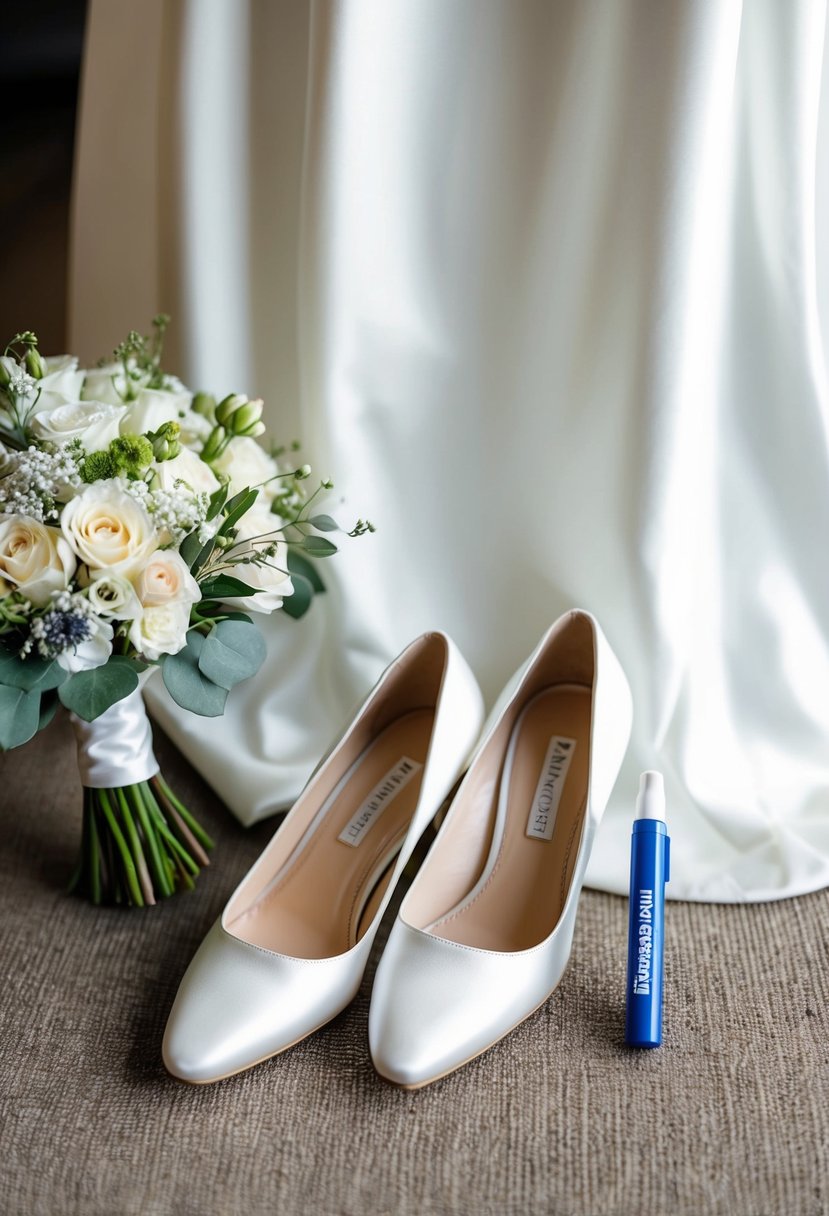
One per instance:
(95,423)
(151,409)
(161,629)
(247,464)
(269,577)
(188,468)
(107,529)
(166,579)
(34,559)
(113,595)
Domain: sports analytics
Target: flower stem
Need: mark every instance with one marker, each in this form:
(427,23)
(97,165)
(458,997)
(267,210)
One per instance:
(139,844)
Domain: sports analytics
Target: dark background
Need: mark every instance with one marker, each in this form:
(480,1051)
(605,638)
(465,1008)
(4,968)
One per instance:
(42,44)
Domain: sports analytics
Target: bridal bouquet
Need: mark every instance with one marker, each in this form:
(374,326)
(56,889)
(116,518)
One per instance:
(139,526)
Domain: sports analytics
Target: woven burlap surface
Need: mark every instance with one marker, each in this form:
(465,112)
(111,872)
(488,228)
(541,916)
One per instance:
(730,1116)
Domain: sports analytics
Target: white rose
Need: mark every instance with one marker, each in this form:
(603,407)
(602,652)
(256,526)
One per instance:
(188,468)
(95,423)
(108,529)
(57,387)
(62,377)
(166,579)
(272,581)
(151,409)
(34,559)
(161,629)
(106,383)
(113,595)
(93,652)
(247,464)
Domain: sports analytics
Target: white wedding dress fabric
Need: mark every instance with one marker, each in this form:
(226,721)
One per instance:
(544,287)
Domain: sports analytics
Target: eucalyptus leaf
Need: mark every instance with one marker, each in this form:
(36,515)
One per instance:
(324,523)
(19,716)
(49,703)
(186,684)
(90,693)
(30,673)
(297,605)
(298,563)
(232,652)
(319,546)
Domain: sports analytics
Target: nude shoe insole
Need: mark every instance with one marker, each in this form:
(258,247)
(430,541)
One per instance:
(313,907)
(520,895)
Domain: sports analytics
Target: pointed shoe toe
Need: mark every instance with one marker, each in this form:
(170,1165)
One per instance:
(484,934)
(289,951)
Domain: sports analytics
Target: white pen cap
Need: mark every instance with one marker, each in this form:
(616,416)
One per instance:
(650,801)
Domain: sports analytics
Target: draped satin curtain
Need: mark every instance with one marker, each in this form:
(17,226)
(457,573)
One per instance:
(543,285)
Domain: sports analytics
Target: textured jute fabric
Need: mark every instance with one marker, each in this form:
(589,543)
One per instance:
(731,1116)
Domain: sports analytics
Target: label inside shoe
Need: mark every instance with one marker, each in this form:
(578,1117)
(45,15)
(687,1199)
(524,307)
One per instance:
(547,795)
(383,794)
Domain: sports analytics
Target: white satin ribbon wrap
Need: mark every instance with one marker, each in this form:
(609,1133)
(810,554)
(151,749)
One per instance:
(117,748)
(545,288)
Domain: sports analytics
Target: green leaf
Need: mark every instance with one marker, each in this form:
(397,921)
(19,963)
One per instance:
(231,652)
(319,546)
(217,500)
(19,716)
(202,556)
(186,684)
(238,506)
(225,587)
(190,548)
(30,673)
(90,693)
(297,605)
(298,564)
(49,703)
(324,523)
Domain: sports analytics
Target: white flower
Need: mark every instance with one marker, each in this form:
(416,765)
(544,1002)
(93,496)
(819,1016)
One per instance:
(93,652)
(62,378)
(187,467)
(247,464)
(269,576)
(106,383)
(161,629)
(33,482)
(34,559)
(166,579)
(195,429)
(95,423)
(151,409)
(108,529)
(113,595)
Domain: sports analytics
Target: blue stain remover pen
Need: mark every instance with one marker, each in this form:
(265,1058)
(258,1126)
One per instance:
(650,865)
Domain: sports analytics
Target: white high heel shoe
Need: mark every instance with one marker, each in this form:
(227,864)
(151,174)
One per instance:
(289,950)
(484,933)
